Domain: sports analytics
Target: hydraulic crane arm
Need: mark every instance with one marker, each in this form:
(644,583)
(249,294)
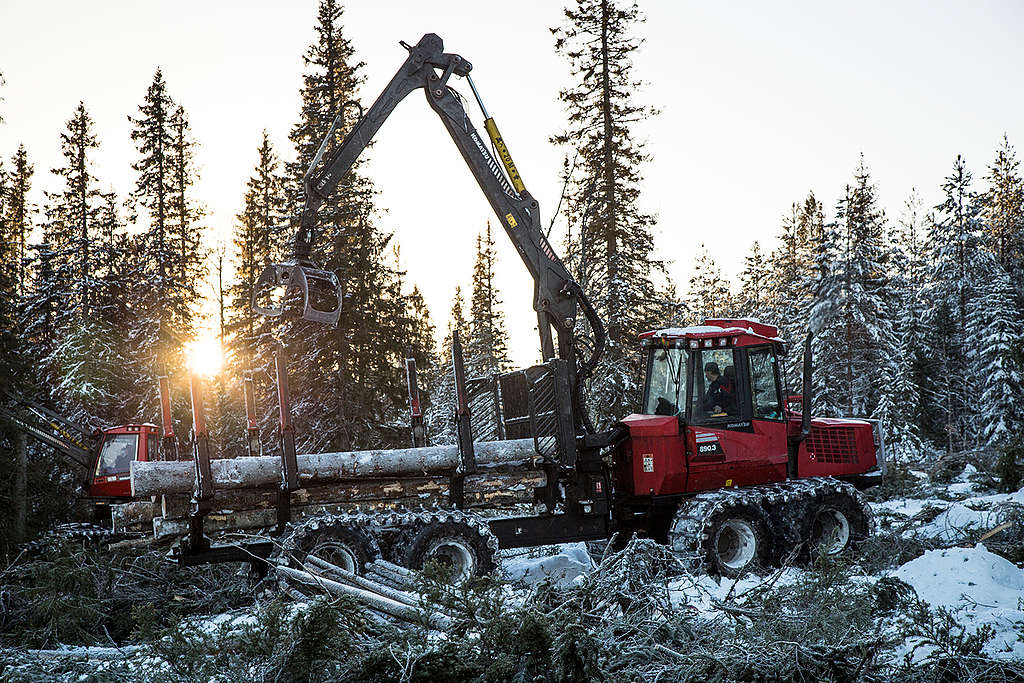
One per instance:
(69,438)
(557,296)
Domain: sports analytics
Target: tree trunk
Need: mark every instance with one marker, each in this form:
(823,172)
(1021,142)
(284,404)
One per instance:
(20,487)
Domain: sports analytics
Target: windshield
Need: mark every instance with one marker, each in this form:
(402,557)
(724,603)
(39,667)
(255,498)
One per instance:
(666,386)
(117,454)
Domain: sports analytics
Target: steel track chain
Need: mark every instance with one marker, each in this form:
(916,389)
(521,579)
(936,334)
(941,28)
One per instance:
(374,522)
(689,529)
(75,531)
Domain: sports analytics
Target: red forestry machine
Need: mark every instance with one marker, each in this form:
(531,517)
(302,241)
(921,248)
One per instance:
(103,456)
(736,482)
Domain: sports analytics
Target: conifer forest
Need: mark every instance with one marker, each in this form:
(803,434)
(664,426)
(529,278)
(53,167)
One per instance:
(363,519)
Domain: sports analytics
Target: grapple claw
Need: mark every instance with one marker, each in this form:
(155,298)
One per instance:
(281,282)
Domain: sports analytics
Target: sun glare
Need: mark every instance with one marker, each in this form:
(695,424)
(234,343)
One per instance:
(205,356)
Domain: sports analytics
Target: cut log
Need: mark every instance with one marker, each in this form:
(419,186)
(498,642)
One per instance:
(372,600)
(487,490)
(164,477)
(125,515)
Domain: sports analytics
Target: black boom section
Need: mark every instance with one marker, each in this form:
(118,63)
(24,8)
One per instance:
(557,296)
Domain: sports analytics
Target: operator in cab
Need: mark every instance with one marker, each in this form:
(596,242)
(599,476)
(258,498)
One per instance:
(721,392)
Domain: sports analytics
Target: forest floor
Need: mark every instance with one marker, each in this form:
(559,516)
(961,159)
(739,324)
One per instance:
(937,593)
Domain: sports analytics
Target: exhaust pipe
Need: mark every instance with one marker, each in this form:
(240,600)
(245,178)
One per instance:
(805,425)
(792,469)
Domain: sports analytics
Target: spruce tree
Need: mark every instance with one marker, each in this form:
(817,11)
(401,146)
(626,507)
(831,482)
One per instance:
(185,212)
(954,243)
(77,208)
(13,370)
(20,211)
(709,291)
(853,348)
(911,355)
(793,273)
(153,136)
(487,345)
(259,240)
(996,326)
(755,294)
(342,371)
(165,281)
(611,251)
(1003,213)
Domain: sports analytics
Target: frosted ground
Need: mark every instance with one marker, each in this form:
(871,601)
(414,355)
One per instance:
(956,601)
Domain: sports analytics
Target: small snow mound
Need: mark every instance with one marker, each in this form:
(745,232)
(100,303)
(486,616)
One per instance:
(988,588)
(940,577)
(571,562)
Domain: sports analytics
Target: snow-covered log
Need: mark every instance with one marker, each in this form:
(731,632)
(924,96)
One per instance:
(492,488)
(372,600)
(315,565)
(155,478)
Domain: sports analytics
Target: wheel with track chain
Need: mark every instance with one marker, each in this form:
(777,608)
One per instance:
(835,524)
(730,531)
(459,539)
(735,540)
(452,543)
(340,540)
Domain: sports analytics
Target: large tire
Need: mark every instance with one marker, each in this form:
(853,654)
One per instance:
(835,524)
(456,544)
(735,540)
(342,543)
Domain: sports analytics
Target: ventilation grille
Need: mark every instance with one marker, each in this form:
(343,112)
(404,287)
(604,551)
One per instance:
(835,445)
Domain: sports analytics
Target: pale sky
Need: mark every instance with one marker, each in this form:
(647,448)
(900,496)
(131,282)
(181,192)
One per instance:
(760,102)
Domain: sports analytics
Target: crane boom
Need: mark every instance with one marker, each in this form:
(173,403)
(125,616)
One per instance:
(557,295)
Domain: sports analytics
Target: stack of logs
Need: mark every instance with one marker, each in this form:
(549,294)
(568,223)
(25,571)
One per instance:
(245,488)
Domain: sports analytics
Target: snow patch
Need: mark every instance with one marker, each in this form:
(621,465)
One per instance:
(562,568)
(978,514)
(988,588)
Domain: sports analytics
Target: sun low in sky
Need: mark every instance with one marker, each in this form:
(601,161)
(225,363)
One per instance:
(205,356)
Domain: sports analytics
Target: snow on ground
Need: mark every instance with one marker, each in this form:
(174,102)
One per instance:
(978,514)
(569,562)
(989,589)
(982,587)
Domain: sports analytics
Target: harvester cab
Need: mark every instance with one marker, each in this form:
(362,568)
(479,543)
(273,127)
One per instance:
(102,456)
(119,447)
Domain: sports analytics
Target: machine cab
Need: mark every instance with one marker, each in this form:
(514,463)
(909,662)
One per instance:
(721,383)
(721,373)
(119,446)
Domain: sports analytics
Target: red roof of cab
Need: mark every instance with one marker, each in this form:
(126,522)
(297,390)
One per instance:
(717,327)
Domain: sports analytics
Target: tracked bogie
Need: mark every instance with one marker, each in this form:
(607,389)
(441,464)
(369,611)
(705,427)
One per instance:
(784,507)
(393,531)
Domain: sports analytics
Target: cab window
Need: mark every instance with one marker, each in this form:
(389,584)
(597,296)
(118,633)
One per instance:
(716,395)
(764,382)
(117,454)
(666,382)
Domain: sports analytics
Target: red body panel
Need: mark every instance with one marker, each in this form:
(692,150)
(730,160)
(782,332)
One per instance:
(742,458)
(658,460)
(661,461)
(117,483)
(655,462)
